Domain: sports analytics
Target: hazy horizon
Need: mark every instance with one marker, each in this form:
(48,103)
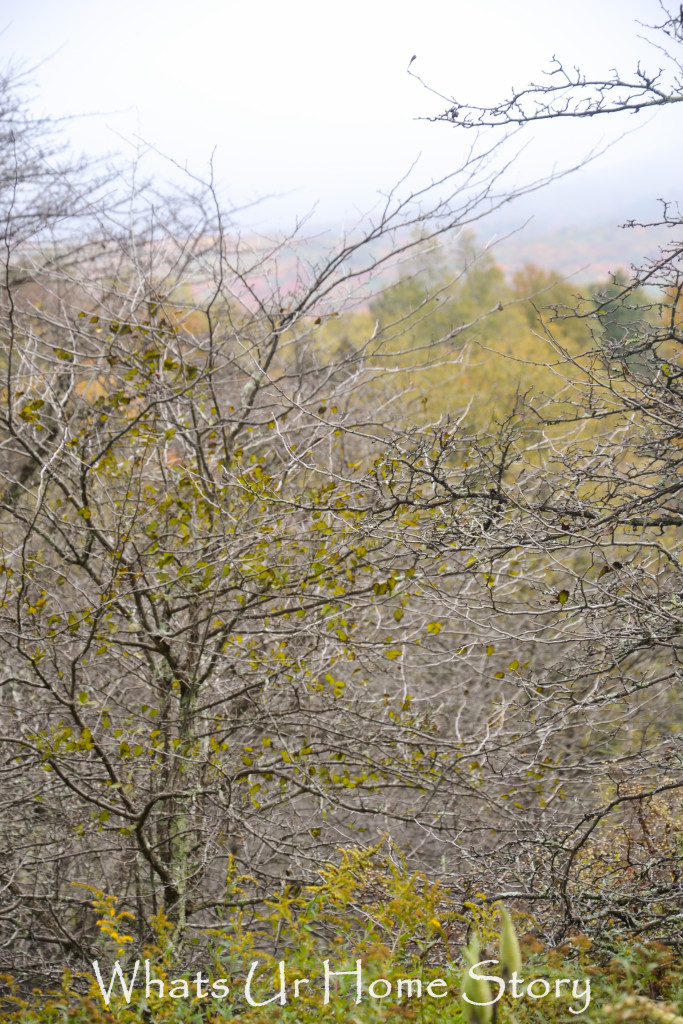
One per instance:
(314,108)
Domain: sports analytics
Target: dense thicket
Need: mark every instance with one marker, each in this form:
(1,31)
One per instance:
(285,566)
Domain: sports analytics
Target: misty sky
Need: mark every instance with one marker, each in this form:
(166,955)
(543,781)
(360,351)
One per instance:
(311,102)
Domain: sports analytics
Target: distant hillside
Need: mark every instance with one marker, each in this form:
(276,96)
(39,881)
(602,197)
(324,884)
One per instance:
(586,253)
(583,253)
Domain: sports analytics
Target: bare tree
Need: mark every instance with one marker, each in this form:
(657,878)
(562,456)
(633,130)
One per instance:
(254,610)
(590,518)
(206,583)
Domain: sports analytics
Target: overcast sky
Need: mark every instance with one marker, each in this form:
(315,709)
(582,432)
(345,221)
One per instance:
(311,100)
